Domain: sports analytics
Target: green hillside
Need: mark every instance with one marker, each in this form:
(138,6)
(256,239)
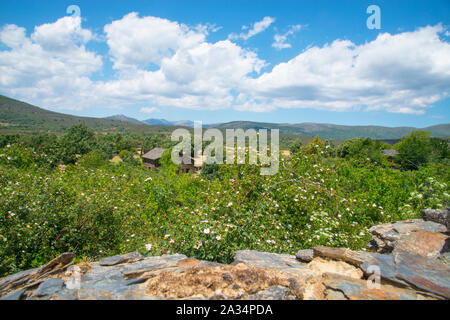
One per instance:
(338,132)
(17,116)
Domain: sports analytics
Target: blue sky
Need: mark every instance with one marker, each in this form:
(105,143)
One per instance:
(220,61)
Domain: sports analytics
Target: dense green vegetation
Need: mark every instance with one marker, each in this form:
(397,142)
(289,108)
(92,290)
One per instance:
(323,194)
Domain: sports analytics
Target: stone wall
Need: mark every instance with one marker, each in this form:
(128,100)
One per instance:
(406,260)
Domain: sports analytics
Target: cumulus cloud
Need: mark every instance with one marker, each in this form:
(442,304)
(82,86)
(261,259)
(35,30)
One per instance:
(64,35)
(139,42)
(12,36)
(257,27)
(402,73)
(280,39)
(189,71)
(149,110)
(51,67)
(166,63)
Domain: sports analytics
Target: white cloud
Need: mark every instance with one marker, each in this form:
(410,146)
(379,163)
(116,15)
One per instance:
(165,63)
(149,110)
(280,39)
(12,35)
(190,72)
(257,27)
(63,35)
(52,67)
(198,78)
(136,42)
(403,73)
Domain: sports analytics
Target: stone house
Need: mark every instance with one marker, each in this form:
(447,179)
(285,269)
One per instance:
(151,159)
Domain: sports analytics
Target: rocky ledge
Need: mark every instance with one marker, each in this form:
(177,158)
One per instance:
(408,260)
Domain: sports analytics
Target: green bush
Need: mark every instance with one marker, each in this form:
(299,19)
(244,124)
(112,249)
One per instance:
(95,209)
(414,150)
(93,159)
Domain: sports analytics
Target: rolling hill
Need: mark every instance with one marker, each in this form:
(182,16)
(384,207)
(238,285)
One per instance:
(339,132)
(21,117)
(122,117)
(17,116)
(164,122)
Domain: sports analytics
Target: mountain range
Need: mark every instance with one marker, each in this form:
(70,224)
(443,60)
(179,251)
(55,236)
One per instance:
(163,122)
(153,122)
(323,130)
(18,116)
(339,132)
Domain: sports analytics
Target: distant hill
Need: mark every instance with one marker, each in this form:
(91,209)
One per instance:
(17,117)
(164,122)
(157,122)
(339,132)
(122,117)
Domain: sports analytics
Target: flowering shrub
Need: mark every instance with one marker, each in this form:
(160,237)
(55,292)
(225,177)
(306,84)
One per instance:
(429,194)
(98,209)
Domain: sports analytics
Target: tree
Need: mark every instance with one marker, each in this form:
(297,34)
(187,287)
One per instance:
(440,148)
(105,144)
(296,146)
(129,157)
(362,152)
(414,150)
(93,159)
(315,146)
(77,140)
(166,163)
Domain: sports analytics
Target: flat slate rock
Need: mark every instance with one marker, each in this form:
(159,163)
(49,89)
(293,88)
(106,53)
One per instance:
(125,258)
(15,279)
(345,288)
(406,269)
(355,258)
(15,295)
(273,293)
(386,237)
(420,272)
(111,290)
(98,272)
(403,268)
(49,287)
(259,259)
(424,243)
(283,262)
(102,282)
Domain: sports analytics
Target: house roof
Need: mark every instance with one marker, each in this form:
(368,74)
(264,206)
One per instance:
(154,154)
(390,152)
